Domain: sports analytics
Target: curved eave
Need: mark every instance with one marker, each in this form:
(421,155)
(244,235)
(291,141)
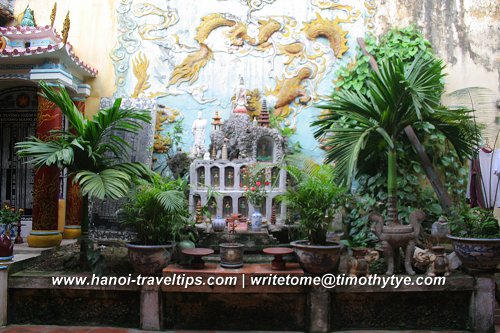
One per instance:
(58,55)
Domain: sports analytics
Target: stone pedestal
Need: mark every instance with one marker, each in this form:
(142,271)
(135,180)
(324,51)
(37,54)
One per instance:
(3,295)
(319,310)
(151,308)
(482,305)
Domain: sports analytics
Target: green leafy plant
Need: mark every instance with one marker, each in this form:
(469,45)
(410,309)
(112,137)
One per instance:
(282,124)
(403,43)
(355,211)
(314,197)
(256,181)
(9,217)
(158,211)
(212,196)
(364,131)
(475,223)
(92,150)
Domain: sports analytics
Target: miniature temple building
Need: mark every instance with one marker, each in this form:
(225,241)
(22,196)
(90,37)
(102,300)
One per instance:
(235,145)
(216,123)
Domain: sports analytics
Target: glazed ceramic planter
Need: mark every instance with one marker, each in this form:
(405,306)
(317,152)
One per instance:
(6,247)
(477,254)
(256,220)
(44,238)
(231,255)
(317,259)
(72,231)
(219,224)
(150,259)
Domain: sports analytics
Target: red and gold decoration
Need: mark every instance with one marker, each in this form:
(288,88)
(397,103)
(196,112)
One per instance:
(74,200)
(46,183)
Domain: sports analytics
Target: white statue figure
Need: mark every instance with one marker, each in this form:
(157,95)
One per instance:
(198,130)
(241,98)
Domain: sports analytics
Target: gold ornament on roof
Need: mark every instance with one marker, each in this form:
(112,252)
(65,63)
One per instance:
(53,14)
(66,26)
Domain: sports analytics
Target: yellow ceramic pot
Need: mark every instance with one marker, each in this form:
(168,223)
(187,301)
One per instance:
(44,238)
(72,231)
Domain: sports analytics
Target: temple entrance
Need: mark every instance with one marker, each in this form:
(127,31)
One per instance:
(18,110)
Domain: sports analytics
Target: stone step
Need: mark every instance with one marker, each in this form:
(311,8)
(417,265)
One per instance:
(25,249)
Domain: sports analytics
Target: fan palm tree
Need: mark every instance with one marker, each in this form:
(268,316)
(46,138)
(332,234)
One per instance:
(361,130)
(91,150)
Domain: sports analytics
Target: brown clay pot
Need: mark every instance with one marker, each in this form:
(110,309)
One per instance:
(150,259)
(231,255)
(6,247)
(317,259)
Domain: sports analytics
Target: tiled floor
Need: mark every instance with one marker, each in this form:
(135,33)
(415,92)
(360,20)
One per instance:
(66,329)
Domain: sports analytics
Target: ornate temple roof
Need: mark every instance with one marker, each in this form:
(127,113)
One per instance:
(45,43)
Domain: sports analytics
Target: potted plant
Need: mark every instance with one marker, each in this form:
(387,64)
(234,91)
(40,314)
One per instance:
(158,211)
(231,253)
(255,193)
(475,235)
(92,151)
(314,198)
(9,217)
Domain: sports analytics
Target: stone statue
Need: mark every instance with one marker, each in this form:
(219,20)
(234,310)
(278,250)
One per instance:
(440,266)
(198,130)
(359,262)
(398,236)
(241,98)
(224,150)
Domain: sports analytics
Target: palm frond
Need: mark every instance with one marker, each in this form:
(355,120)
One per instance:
(171,201)
(46,153)
(359,128)
(136,169)
(110,183)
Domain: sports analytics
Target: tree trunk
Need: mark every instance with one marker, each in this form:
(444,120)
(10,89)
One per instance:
(84,239)
(392,188)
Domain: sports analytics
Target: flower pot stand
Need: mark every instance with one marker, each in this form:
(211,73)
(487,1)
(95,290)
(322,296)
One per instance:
(197,254)
(278,263)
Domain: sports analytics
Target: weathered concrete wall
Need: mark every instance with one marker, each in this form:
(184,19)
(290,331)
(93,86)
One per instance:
(463,32)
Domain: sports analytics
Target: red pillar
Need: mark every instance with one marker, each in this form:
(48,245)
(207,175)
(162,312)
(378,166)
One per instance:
(73,195)
(46,187)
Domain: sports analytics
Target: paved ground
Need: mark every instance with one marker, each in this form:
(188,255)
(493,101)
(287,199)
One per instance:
(79,329)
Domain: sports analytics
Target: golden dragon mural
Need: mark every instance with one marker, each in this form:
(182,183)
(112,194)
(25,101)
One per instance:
(304,61)
(188,70)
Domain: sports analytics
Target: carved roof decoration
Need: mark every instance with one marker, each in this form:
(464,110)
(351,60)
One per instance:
(42,42)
